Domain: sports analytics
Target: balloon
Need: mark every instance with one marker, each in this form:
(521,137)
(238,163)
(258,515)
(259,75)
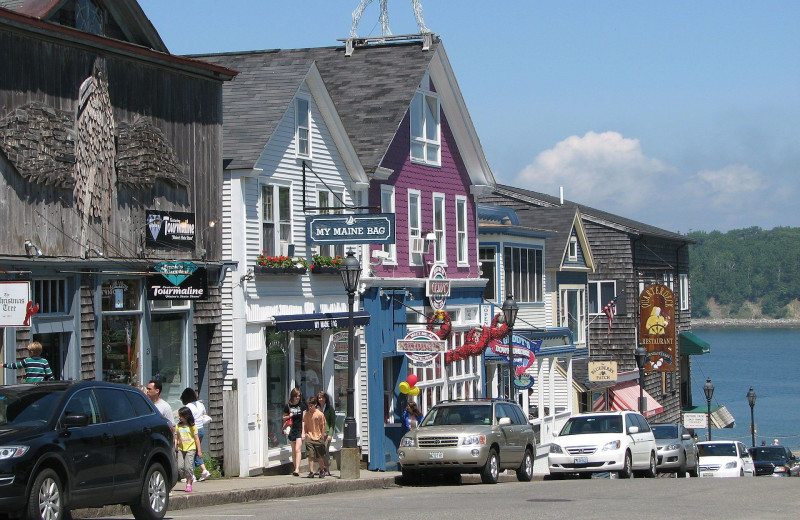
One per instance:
(404,387)
(412,380)
(414,392)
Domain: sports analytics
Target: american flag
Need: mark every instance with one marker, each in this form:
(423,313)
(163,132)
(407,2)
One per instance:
(609,310)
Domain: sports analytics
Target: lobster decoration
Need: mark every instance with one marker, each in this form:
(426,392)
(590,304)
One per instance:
(442,319)
(479,339)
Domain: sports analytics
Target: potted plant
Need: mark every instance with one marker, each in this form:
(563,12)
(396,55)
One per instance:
(280,264)
(321,264)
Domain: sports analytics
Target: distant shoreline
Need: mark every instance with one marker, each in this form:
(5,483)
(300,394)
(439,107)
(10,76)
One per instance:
(763,323)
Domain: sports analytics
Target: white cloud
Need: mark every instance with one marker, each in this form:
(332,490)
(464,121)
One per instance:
(730,186)
(603,170)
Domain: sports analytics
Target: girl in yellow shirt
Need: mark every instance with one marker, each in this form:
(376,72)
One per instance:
(187,444)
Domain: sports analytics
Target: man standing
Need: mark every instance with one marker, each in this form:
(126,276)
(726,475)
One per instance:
(153,390)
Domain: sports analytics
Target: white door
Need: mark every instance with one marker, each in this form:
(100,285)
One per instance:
(253,402)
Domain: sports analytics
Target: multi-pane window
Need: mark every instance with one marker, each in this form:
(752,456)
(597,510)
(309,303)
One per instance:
(276,218)
(439,249)
(387,206)
(461,230)
(487,257)
(684,291)
(425,128)
(415,227)
(51,296)
(600,293)
(303,128)
(573,249)
(523,270)
(572,315)
(333,202)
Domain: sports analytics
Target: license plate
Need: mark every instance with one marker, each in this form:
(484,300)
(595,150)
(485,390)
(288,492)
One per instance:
(581,460)
(707,474)
(436,455)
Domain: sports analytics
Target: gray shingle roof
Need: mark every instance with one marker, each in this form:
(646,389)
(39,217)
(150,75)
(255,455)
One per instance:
(371,91)
(558,219)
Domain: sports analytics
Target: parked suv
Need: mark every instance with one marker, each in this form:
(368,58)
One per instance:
(470,436)
(777,461)
(604,441)
(75,444)
(677,450)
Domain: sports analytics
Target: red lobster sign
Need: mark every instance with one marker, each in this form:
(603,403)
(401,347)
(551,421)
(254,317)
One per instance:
(478,340)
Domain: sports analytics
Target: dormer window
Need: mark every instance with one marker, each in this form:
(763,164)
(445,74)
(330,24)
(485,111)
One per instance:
(88,17)
(425,126)
(303,128)
(573,249)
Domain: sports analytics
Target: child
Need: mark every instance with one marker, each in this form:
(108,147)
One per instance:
(314,434)
(187,444)
(36,367)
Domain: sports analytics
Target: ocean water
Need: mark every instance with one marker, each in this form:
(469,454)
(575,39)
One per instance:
(766,359)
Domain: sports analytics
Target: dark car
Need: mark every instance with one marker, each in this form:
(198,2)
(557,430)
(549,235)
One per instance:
(74,444)
(778,461)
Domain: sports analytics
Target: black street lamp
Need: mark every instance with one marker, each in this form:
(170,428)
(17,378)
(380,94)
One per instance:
(510,310)
(708,389)
(641,362)
(351,272)
(751,400)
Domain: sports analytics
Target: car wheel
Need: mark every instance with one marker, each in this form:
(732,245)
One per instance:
(409,475)
(525,470)
(154,500)
(682,468)
(651,470)
(627,468)
(491,470)
(46,499)
(741,472)
(695,471)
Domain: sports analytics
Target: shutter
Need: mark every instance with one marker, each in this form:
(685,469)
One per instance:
(622,298)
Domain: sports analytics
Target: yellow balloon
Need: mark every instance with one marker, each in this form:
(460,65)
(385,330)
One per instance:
(404,387)
(414,392)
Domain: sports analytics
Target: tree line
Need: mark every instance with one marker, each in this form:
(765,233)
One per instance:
(745,265)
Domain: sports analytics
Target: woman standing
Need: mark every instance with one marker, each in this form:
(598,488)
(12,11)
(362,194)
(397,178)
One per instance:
(326,407)
(412,416)
(293,412)
(190,401)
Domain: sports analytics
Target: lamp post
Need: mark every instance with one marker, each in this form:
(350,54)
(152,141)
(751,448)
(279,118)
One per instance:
(641,362)
(510,310)
(350,271)
(708,389)
(751,400)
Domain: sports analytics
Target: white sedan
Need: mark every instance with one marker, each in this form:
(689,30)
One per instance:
(725,459)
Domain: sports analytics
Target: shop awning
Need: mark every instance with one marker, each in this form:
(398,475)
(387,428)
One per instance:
(319,321)
(627,398)
(691,345)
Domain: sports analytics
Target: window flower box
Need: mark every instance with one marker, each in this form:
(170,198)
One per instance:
(324,269)
(325,264)
(280,265)
(274,270)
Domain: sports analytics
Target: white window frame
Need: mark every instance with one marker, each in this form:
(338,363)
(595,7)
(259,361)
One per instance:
(300,128)
(388,206)
(336,200)
(564,310)
(572,251)
(275,218)
(462,232)
(429,145)
(414,232)
(601,302)
(684,291)
(522,282)
(440,228)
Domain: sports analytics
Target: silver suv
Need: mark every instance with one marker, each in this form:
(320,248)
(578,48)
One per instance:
(472,436)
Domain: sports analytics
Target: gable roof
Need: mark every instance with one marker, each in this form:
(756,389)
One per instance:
(563,220)
(129,22)
(625,225)
(371,91)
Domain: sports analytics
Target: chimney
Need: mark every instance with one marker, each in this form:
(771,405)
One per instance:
(561,194)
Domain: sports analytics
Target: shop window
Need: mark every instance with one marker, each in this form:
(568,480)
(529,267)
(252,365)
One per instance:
(523,270)
(168,358)
(277,346)
(119,349)
(308,362)
(488,261)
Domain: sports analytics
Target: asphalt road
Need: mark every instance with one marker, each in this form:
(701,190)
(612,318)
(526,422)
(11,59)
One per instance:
(642,499)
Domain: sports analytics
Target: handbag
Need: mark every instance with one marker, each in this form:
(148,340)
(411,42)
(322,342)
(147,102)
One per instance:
(287,427)
(206,419)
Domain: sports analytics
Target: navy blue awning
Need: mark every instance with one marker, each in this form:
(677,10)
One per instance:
(319,321)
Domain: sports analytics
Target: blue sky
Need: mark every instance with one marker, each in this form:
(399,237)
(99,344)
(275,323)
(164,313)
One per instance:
(683,114)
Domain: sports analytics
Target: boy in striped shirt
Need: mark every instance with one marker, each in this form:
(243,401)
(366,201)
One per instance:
(36,367)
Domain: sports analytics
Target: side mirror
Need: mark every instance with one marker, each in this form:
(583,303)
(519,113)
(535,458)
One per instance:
(77,420)
(504,421)
(633,429)
(686,436)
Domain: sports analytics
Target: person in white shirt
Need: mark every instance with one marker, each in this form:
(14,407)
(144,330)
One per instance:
(190,401)
(153,390)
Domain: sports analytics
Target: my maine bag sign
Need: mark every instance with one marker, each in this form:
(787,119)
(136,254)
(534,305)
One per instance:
(367,228)
(177,281)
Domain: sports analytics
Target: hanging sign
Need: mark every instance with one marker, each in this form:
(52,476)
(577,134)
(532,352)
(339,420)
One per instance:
(657,327)
(177,281)
(525,350)
(437,287)
(340,346)
(170,229)
(602,371)
(367,228)
(16,308)
(421,347)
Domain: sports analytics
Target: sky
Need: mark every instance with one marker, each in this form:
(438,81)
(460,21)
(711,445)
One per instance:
(683,115)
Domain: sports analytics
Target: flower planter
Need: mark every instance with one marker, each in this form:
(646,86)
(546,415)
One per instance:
(270,270)
(324,269)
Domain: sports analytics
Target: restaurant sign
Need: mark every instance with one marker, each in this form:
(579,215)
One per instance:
(421,347)
(177,281)
(657,327)
(367,228)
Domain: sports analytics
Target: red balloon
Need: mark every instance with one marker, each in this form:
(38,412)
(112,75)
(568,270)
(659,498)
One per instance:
(412,380)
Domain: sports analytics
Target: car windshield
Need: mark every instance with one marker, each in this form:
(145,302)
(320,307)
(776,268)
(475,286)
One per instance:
(717,450)
(464,414)
(665,431)
(768,453)
(593,424)
(28,407)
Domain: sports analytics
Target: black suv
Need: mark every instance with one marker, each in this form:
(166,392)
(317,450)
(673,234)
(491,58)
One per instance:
(778,461)
(75,444)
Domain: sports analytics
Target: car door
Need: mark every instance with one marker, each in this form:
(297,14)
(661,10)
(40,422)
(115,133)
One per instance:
(637,446)
(516,434)
(747,460)
(689,447)
(89,450)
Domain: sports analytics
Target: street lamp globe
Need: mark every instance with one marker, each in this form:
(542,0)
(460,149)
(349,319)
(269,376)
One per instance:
(510,310)
(350,271)
(751,397)
(641,357)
